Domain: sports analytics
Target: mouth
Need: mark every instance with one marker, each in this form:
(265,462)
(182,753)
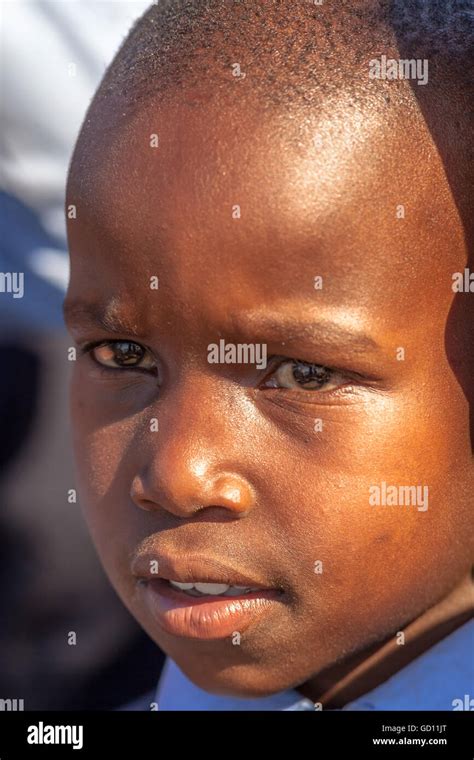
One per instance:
(200,598)
(201,588)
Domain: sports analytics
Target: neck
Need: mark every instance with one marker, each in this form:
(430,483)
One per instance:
(364,671)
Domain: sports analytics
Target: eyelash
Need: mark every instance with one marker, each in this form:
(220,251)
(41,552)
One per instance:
(279,362)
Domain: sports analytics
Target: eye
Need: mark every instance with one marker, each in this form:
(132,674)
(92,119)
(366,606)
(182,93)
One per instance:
(297,374)
(123,354)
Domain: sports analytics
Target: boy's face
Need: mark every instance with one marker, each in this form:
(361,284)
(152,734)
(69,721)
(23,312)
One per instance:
(254,469)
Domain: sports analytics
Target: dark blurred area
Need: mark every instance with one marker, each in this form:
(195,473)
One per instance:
(66,641)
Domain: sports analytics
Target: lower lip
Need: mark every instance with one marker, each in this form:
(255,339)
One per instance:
(206,617)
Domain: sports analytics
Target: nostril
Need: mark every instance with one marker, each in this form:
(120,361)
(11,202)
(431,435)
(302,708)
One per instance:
(145,504)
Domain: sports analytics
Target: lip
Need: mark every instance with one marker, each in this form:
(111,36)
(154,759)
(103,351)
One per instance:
(192,569)
(207,617)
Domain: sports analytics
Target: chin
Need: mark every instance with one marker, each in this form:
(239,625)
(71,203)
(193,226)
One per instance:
(244,681)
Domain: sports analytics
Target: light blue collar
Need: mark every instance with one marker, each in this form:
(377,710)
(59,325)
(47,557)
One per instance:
(434,681)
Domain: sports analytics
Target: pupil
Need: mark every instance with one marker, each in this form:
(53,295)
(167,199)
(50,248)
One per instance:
(128,353)
(309,373)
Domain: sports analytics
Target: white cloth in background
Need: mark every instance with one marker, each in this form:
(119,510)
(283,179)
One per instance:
(53,55)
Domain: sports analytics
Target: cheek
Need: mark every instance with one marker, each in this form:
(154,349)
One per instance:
(107,418)
(98,448)
(360,572)
(337,454)
(383,559)
(101,445)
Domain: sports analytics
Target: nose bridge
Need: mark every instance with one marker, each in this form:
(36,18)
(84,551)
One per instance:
(190,462)
(195,421)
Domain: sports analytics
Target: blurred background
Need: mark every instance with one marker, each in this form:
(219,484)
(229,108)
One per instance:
(53,54)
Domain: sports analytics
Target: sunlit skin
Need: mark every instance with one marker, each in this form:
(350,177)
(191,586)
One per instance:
(237,470)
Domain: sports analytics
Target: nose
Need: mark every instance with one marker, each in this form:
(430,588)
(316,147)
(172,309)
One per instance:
(194,462)
(226,493)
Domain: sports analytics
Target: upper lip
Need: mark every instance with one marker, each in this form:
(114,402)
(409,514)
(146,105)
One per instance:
(192,569)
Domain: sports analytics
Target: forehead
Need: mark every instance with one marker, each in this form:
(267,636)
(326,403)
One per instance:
(264,201)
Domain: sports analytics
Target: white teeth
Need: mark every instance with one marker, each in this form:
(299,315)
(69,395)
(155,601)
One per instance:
(211,588)
(182,586)
(238,590)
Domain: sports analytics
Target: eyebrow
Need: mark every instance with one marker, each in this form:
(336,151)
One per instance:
(281,328)
(327,332)
(108,317)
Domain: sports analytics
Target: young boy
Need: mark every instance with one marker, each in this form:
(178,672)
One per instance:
(270,298)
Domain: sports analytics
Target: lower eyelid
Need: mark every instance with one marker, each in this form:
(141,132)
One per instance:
(311,396)
(298,407)
(346,387)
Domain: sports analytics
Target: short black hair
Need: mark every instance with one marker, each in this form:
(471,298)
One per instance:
(289,50)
